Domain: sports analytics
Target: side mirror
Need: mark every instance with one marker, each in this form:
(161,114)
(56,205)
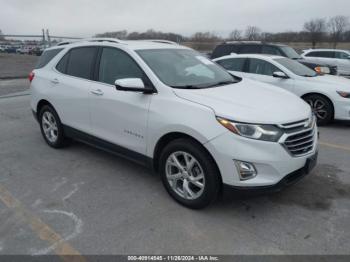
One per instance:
(280,75)
(132,85)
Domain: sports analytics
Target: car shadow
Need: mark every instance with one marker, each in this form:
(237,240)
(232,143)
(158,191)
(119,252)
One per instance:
(315,192)
(339,124)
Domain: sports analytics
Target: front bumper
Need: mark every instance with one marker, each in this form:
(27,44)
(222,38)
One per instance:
(272,161)
(287,181)
(342,109)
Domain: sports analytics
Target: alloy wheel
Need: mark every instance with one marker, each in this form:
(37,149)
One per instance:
(185,175)
(319,108)
(50,128)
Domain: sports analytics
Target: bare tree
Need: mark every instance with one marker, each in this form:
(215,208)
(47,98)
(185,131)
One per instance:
(118,34)
(235,35)
(337,26)
(1,35)
(205,37)
(316,29)
(253,33)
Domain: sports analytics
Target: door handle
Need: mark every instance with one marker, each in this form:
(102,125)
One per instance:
(55,81)
(97,92)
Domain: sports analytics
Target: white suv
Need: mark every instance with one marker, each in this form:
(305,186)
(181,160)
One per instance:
(167,106)
(337,57)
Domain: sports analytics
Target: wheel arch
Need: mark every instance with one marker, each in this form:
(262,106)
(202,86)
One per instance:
(40,105)
(169,137)
(304,96)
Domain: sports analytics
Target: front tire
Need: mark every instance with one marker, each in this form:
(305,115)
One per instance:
(51,127)
(189,174)
(322,108)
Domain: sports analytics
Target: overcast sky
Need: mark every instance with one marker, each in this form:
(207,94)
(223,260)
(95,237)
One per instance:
(84,18)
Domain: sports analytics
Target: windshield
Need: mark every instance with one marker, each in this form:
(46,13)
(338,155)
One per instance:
(295,67)
(290,52)
(183,68)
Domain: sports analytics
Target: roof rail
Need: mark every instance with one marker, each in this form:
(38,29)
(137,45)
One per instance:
(103,39)
(243,42)
(65,43)
(97,39)
(160,41)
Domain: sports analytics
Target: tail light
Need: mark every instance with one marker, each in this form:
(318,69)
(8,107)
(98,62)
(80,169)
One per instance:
(31,76)
(322,70)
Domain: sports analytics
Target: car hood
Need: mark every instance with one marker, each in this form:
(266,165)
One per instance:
(250,102)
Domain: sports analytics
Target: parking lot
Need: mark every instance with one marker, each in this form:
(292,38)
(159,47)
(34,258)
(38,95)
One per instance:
(80,200)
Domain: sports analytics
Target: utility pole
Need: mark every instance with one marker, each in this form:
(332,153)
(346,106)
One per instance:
(48,37)
(44,41)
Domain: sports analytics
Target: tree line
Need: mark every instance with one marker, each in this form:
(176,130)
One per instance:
(333,30)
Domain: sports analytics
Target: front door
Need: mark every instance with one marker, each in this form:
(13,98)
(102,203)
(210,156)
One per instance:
(261,70)
(119,117)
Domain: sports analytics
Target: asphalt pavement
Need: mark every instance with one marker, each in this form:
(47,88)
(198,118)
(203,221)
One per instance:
(80,200)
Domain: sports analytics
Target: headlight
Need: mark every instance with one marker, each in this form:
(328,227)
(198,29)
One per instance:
(258,132)
(344,94)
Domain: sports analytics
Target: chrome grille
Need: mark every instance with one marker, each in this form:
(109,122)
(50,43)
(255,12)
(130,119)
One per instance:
(300,137)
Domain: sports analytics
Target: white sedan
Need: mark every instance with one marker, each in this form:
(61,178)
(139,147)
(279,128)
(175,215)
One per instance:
(329,96)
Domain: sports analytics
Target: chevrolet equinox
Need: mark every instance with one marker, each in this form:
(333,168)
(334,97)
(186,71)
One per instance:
(168,107)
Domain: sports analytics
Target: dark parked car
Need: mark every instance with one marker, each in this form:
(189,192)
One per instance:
(11,49)
(250,47)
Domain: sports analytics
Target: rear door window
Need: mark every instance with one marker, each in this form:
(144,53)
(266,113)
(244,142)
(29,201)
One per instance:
(270,50)
(250,49)
(223,50)
(321,54)
(46,57)
(81,62)
(62,64)
(341,55)
(261,67)
(313,54)
(233,64)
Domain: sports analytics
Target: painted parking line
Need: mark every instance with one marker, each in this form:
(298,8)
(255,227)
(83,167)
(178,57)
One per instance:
(42,230)
(15,95)
(345,148)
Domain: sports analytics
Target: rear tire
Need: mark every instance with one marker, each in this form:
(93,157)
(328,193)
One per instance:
(322,108)
(189,173)
(51,127)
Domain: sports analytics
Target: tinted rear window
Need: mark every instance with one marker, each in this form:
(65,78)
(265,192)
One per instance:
(324,54)
(223,50)
(270,50)
(62,64)
(80,62)
(46,57)
(250,49)
(233,64)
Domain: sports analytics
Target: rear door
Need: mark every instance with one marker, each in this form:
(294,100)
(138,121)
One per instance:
(70,87)
(343,62)
(261,70)
(326,57)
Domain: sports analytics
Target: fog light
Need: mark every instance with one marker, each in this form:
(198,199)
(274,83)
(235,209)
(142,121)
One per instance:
(245,170)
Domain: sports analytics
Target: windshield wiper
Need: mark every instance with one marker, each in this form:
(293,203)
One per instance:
(187,87)
(309,75)
(223,83)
